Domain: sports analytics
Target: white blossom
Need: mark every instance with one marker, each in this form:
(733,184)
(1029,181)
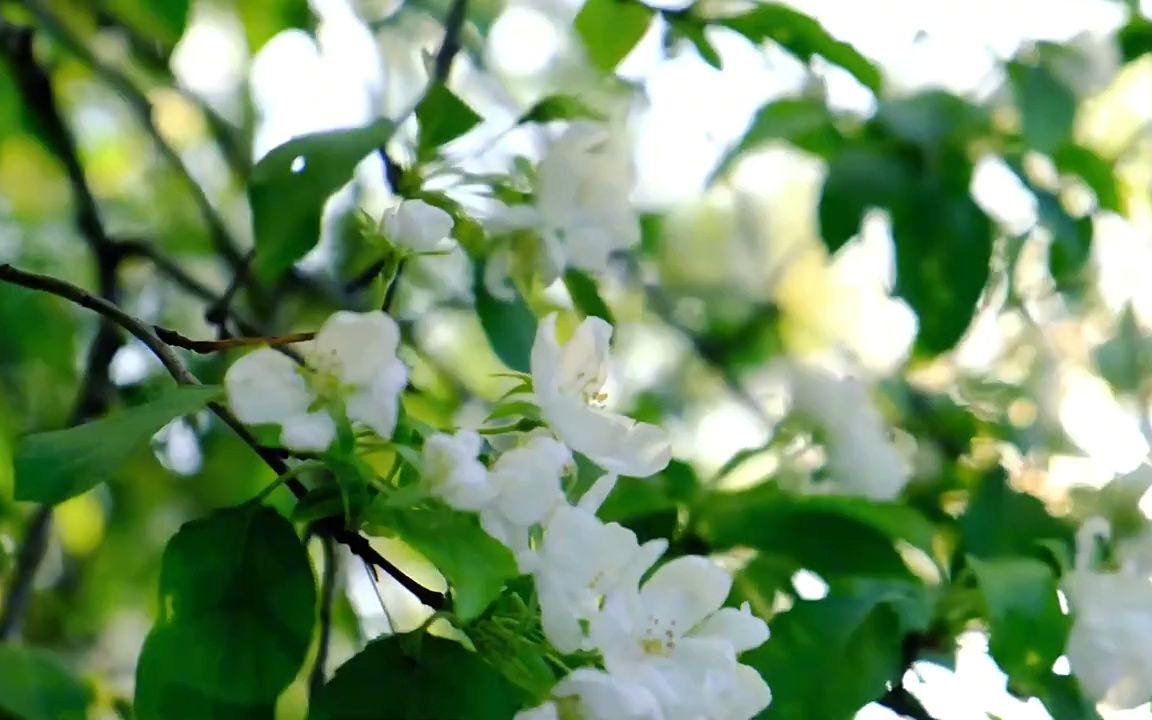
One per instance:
(1110,645)
(452,471)
(416,226)
(351,364)
(587,694)
(568,382)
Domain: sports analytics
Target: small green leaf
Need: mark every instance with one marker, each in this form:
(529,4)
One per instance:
(693,30)
(263,19)
(1094,170)
(54,466)
(803,122)
(509,326)
(439,679)
(1065,701)
(804,37)
(290,185)
(1027,628)
(585,295)
(238,598)
(1071,245)
(161,20)
(1135,38)
(610,29)
(475,564)
(1047,107)
(443,117)
(1002,522)
(559,107)
(35,685)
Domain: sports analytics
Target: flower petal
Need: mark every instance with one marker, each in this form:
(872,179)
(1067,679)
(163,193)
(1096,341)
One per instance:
(377,404)
(607,697)
(417,226)
(685,591)
(616,443)
(265,387)
(583,368)
(547,711)
(355,345)
(310,432)
(737,626)
(545,361)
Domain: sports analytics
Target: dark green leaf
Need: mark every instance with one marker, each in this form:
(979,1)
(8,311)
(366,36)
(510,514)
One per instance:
(509,326)
(438,680)
(34,685)
(1123,359)
(443,117)
(238,597)
(161,693)
(827,659)
(610,29)
(263,19)
(860,178)
(1094,170)
(803,122)
(1071,245)
(1135,38)
(163,20)
(54,466)
(931,118)
(516,655)
(1027,628)
(290,185)
(1065,701)
(693,30)
(1001,522)
(559,107)
(585,295)
(1047,107)
(474,563)
(804,37)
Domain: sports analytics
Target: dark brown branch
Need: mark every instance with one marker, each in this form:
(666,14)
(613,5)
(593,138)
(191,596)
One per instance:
(207,347)
(28,561)
(450,45)
(218,312)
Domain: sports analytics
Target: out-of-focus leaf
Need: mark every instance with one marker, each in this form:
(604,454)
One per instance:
(34,685)
(474,563)
(585,295)
(1065,701)
(803,122)
(1047,107)
(238,598)
(516,656)
(443,117)
(1027,629)
(54,466)
(695,32)
(1123,359)
(163,20)
(931,118)
(290,185)
(1094,170)
(509,325)
(262,19)
(1135,38)
(416,678)
(859,178)
(828,658)
(1071,245)
(610,29)
(559,107)
(1001,522)
(804,37)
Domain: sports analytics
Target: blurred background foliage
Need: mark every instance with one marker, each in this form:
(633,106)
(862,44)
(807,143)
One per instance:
(955,196)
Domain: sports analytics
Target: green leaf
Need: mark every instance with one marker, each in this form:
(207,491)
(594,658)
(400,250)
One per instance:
(804,37)
(509,326)
(263,19)
(443,117)
(54,466)
(859,178)
(610,29)
(1027,628)
(1135,38)
(1065,701)
(803,122)
(1123,359)
(475,564)
(812,531)
(1071,245)
(238,597)
(1094,170)
(162,694)
(1047,107)
(693,30)
(439,679)
(559,107)
(35,685)
(290,185)
(1001,522)
(932,118)
(161,20)
(585,295)
(827,659)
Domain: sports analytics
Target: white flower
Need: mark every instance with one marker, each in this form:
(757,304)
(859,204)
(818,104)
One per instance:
(673,637)
(1110,644)
(352,362)
(587,694)
(526,481)
(568,382)
(417,226)
(580,560)
(452,471)
(861,457)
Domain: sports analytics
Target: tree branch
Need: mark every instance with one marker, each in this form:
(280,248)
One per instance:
(327,592)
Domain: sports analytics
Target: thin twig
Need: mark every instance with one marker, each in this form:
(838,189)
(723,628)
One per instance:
(27,562)
(207,347)
(327,593)
(218,312)
(450,45)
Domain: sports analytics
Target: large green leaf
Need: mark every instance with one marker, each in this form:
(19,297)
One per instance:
(1047,107)
(827,659)
(610,29)
(290,185)
(803,122)
(860,178)
(238,598)
(1027,628)
(509,326)
(443,117)
(804,37)
(1001,522)
(474,563)
(1065,701)
(35,685)
(54,466)
(416,678)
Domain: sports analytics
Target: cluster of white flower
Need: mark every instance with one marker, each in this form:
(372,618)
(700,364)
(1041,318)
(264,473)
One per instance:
(669,648)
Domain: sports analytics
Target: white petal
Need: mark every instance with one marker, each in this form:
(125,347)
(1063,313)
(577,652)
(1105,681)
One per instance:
(685,591)
(739,627)
(583,368)
(377,404)
(528,480)
(355,345)
(547,711)
(311,432)
(744,696)
(265,387)
(452,471)
(595,496)
(560,624)
(545,361)
(614,442)
(605,697)
(417,226)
